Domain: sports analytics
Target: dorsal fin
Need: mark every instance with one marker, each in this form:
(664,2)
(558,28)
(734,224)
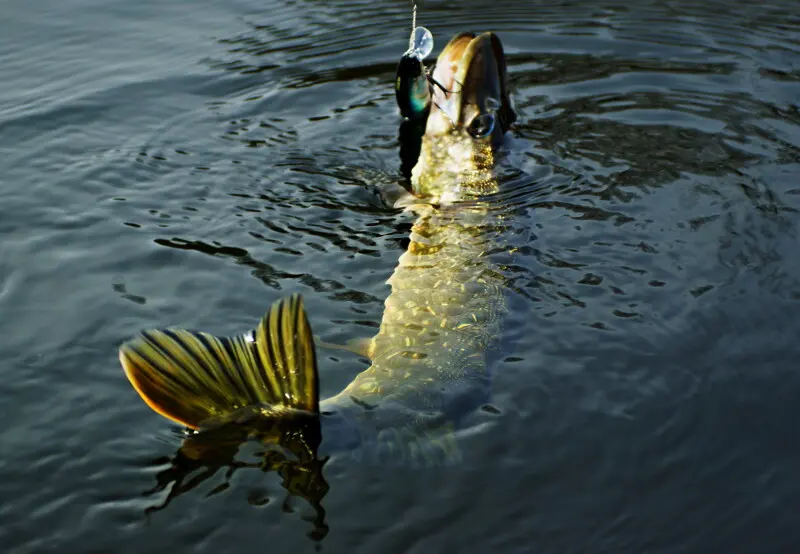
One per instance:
(192,377)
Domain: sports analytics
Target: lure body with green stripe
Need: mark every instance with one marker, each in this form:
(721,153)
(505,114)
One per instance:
(412,89)
(428,367)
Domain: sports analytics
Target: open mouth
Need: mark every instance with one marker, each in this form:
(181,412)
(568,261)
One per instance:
(470,88)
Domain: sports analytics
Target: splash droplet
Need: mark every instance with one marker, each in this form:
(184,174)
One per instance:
(421,43)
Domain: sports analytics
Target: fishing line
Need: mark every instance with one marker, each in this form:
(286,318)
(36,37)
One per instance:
(413,27)
(420,43)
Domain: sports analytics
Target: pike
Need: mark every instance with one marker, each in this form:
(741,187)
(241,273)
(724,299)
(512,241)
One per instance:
(428,367)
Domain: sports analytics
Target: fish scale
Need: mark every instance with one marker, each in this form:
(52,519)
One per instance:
(441,316)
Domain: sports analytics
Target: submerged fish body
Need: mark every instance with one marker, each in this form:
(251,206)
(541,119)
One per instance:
(428,368)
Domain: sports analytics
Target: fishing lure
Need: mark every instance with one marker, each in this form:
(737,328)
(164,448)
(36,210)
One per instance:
(412,88)
(414,82)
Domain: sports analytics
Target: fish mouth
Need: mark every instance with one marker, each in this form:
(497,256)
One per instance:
(470,90)
(470,112)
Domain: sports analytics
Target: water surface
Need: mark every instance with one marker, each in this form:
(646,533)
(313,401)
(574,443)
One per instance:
(187,163)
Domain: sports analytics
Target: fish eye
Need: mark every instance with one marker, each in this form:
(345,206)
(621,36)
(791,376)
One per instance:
(482,125)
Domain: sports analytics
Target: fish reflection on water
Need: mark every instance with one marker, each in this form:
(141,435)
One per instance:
(428,376)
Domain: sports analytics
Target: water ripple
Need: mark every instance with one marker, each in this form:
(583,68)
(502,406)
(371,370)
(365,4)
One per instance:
(163,165)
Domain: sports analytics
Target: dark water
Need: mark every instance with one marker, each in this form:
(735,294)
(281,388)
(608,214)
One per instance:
(187,163)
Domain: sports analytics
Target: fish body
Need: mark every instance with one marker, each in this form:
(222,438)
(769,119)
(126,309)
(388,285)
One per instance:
(428,368)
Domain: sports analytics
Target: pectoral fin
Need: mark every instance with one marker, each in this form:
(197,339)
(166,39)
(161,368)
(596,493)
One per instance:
(361,346)
(192,377)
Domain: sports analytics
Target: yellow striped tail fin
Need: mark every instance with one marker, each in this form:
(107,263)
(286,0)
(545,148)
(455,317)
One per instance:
(198,379)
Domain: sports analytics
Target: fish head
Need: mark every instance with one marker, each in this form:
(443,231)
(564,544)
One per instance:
(469,115)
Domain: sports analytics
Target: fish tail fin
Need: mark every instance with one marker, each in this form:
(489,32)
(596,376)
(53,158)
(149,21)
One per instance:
(194,378)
